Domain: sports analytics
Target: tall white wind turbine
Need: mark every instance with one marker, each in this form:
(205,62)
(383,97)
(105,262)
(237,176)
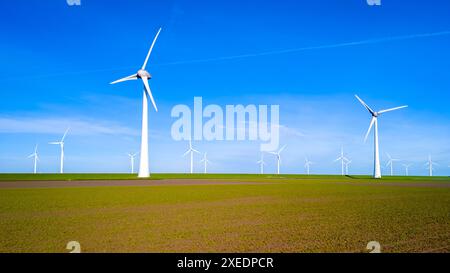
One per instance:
(430,165)
(61,145)
(407,168)
(147,93)
(390,163)
(35,158)
(278,155)
(374,123)
(261,163)
(205,162)
(191,151)
(308,165)
(343,159)
(132,156)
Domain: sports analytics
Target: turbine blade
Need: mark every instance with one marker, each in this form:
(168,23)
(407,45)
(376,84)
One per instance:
(129,78)
(282,148)
(392,109)
(365,105)
(187,152)
(195,151)
(65,133)
(30,156)
(149,92)
(54,143)
(151,48)
(370,128)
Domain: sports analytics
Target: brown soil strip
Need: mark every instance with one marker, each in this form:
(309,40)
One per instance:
(112,183)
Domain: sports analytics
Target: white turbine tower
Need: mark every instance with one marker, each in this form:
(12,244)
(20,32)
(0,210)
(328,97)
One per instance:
(429,165)
(191,151)
(261,163)
(390,163)
(132,156)
(278,155)
(147,93)
(35,158)
(308,165)
(346,166)
(205,161)
(374,121)
(407,168)
(61,144)
(343,159)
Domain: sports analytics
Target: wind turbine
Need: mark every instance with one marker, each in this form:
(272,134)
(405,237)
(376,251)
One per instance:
(132,156)
(346,166)
(35,158)
(278,155)
(374,121)
(307,165)
(205,162)
(391,163)
(61,144)
(343,159)
(147,93)
(430,164)
(407,168)
(261,163)
(191,151)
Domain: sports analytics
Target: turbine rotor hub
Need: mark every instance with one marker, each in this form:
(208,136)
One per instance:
(143,74)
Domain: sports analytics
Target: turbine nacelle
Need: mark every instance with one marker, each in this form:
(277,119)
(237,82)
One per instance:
(142,73)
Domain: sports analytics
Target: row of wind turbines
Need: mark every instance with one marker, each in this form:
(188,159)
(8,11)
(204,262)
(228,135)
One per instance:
(143,75)
(35,155)
(345,162)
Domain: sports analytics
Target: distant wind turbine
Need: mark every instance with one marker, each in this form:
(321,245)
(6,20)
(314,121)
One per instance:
(61,145)
(407,168)
(147,93)
(374,121)
(261,163)
(430,165)
(346,166)
(343,159)
(391,163)
(191,151)
(132,156)
(35,158)
(308,165)
(278,155)
(205,161)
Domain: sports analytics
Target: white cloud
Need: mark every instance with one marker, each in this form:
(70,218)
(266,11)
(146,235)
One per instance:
(51,125)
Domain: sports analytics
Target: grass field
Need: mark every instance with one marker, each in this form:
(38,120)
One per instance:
(286,213)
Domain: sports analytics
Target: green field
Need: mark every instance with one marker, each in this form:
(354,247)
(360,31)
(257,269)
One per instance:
(287,213)
(158,176)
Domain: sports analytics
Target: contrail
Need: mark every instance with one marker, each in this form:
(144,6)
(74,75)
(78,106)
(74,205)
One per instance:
(250,55)
(294,50)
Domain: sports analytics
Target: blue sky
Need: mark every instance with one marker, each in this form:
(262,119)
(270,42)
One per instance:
(57,61)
